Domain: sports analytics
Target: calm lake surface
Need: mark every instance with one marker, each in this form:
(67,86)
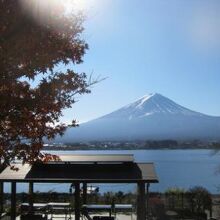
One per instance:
(175,168)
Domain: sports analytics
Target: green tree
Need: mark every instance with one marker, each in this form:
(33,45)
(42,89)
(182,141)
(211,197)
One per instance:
(33,44)
(200,199)
(175,197)
(119,196)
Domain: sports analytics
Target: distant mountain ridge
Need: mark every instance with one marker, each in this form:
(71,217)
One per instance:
(151,117)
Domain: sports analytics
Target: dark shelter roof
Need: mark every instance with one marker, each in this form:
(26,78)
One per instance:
(100,171)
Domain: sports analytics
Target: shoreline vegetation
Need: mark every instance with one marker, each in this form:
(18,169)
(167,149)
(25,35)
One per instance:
(135,145)
(183,204)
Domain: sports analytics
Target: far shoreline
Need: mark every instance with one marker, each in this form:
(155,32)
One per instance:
(166,144)
(121,149)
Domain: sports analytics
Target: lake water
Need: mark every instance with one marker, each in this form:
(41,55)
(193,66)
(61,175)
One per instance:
(175,168)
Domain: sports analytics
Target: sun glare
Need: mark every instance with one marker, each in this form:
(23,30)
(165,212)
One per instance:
(79,5)
(41,9)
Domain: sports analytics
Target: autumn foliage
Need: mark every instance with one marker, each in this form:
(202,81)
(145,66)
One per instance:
(33,92)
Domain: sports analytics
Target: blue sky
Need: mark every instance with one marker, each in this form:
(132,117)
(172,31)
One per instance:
(171,47)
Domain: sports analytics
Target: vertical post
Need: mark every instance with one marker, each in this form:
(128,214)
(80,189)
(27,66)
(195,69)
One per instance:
(141,202)
(84,193)
(147,199)
(210,210)
(77,201)
(31,192)
(1,197)
(13,200)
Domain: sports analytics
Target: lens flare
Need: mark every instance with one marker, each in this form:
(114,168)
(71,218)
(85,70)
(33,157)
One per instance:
(47,11)
(75,5)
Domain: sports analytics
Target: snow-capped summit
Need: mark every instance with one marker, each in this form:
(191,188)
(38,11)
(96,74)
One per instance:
(151,117)
(151,104)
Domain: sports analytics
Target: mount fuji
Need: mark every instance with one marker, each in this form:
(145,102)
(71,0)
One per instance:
(150,117)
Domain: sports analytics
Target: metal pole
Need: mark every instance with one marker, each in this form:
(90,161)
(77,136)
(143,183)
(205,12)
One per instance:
(84,193)
(1,197)
(77,201)
(31,192)
(141,202)
(13,200)
(1,191)
(147,199)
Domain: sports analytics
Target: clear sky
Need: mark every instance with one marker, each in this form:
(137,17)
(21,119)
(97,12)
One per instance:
(171,47)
